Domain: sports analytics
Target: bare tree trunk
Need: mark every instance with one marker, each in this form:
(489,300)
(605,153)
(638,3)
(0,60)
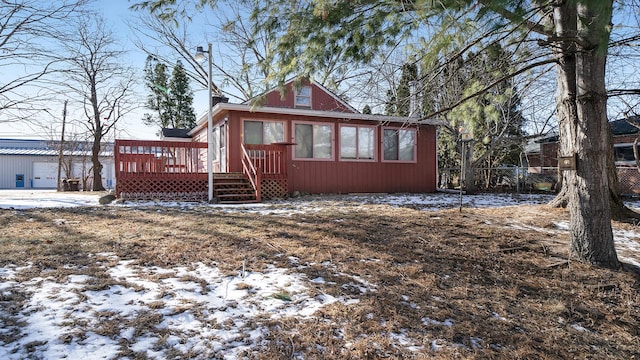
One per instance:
(567,65)
(97,166)
(97,139)
(562,198)
(584,129)
(469,173)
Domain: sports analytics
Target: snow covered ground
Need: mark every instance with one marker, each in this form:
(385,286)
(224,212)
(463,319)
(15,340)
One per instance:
(25,199)
(204,313)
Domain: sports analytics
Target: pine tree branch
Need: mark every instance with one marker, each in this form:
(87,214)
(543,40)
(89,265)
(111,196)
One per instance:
(489,86)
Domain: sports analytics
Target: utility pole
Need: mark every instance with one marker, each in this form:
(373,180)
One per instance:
(60,153)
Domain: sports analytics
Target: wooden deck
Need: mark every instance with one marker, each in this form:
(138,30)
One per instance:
(170,170)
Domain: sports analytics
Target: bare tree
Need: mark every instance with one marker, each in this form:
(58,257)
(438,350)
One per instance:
(242,59)
(168,42)
(29,30)
(102,82)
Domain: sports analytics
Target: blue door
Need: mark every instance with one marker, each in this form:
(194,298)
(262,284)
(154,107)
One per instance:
(19,180)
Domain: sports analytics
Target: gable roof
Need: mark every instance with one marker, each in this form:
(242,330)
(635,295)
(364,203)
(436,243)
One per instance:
(289,83)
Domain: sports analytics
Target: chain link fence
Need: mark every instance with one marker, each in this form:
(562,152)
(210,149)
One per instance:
(527,180)
(629,180)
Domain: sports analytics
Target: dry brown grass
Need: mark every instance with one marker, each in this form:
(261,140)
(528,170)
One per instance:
(444,278)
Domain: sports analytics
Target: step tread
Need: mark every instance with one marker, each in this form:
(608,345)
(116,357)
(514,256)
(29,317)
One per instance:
(236,195)
(231,183)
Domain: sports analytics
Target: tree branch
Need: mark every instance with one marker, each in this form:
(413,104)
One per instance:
(491,85)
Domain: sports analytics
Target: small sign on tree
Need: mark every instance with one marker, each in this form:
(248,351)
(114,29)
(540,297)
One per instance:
(567,162)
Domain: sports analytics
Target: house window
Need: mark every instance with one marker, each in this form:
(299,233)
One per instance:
(303,97)
(263,132)
(623,153)
(357,142)
(313,141)
(399,145)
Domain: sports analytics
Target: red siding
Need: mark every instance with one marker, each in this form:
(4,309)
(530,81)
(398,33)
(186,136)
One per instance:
(625,139)
(361,177)
(320,100)
(317,177)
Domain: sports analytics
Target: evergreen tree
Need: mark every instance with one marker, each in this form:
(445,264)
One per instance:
(171,99)
(183,115)
(493,118)
(498,122)
(390,105)
(156,80)
(404,92)
(399,102)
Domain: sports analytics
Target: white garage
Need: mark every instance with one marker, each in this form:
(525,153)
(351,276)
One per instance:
(33,164)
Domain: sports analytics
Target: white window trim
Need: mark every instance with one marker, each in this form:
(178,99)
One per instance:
(312,123)
(415,146)
(375,143)
(284,127)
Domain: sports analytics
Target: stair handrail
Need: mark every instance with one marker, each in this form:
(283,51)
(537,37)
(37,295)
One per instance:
(254,174)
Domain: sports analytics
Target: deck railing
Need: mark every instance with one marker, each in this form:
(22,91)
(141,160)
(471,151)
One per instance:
(149,169)
(149,158)
(271,159)
(168,170)
(265,162)
(252,172)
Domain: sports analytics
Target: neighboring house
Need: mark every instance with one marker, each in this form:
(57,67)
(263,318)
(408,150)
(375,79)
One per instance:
(33,164)
(542,154)
(307,141)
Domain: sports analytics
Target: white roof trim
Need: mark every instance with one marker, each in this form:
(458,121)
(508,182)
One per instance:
(220,107)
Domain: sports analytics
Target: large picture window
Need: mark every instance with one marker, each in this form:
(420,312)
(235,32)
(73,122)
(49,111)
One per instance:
(313,141)
(263,132)
(399,145)
(357,143)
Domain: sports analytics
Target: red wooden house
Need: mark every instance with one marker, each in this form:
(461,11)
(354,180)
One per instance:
(307,141)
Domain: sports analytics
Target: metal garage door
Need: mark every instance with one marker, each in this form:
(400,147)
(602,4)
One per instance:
(45,175)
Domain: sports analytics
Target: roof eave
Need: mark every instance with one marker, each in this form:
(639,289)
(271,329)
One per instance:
(221,107)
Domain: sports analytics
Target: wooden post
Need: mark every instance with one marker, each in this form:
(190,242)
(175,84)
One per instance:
(60,152)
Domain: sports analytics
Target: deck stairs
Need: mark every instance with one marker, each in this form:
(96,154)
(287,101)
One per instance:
(233,188)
